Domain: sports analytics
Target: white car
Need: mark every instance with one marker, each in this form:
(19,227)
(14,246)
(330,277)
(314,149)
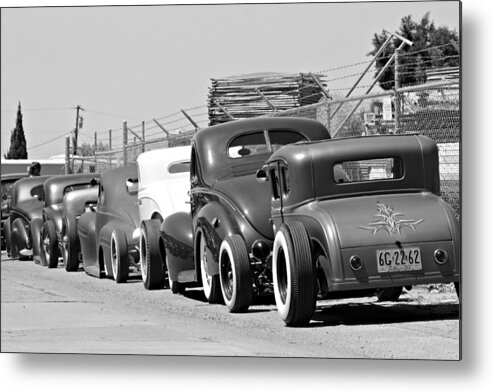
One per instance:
(164,183)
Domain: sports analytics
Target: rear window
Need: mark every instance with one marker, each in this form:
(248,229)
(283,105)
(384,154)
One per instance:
(368,170)
(262,142)
(76,187)
(179,167)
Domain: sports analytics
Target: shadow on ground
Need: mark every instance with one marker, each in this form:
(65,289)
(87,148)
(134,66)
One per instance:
(382,313)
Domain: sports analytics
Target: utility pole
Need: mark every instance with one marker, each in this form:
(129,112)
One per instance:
(76,132)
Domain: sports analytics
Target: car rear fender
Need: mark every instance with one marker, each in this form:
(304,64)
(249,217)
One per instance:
(216,224)
(54,213)
(19,234)
(177,237)
(36,225)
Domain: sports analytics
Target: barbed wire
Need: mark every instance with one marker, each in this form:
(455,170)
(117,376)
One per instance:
(117,134)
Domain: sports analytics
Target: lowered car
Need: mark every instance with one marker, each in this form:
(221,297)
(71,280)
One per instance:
(164,182)
(23,227)
(353,214)
(75,203)
(53,229)
(227,204)
(109,232)
(7,185)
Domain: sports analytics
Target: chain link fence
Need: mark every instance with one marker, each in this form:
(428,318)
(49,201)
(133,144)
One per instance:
(432,109)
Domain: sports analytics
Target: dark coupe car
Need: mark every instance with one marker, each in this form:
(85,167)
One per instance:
(356,214)
(25,219)
(229,206)
(7,186)
(75,203)
(53,229)
(109,233)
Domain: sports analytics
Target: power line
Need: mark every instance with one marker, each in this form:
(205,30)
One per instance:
(35,110)
(47,142)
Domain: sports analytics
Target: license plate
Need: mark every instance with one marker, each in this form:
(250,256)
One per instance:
(396,260)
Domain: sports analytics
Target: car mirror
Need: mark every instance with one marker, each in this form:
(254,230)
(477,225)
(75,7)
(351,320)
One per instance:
(262,175)
(94,181)
(132,185)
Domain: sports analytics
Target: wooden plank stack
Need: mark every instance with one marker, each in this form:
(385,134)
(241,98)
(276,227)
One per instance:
(239,95)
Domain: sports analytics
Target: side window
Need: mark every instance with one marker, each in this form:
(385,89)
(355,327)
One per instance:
(285,180)
(194,168)
(276,192)
(101,195)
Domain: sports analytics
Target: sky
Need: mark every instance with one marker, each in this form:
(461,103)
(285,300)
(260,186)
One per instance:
(135,63)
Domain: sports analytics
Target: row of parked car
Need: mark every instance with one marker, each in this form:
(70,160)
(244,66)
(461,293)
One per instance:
(266,206)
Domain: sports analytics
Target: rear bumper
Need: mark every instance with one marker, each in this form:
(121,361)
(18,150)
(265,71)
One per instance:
(342,277)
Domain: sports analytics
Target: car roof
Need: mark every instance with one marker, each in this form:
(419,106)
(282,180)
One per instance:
(114,185)
(153,165)
(13,176)
(170,154)
(211,143)
(22,187)
(418,153)
(55,186)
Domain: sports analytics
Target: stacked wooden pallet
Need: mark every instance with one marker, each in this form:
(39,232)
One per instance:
(253,95)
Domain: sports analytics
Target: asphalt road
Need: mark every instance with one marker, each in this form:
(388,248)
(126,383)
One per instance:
(54,311)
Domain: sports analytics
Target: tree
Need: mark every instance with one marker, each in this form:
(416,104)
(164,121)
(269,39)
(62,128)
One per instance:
(431,49)
(18,149)
(87,150)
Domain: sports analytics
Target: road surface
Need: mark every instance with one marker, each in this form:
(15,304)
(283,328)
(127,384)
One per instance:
(53,311)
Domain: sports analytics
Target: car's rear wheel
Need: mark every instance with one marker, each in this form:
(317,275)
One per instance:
(389,294)
(235,274)
(119,256)
(6,234)
(294,275)
(210,283)
(71,245)
(49,245)
(152,266)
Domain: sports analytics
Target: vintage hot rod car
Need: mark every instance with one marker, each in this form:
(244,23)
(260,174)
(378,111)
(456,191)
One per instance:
(53,229)
(229,207)
(25,221)
(75,204)
(7,182)
(381,226)
(164,182)
(110,231)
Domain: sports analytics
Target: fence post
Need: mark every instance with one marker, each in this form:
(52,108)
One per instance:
(67,154)
(328,117)
(143,136)
(125,142)
(191,119)
(397,86)
(95,151)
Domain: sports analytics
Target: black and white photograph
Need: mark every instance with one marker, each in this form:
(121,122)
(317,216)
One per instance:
(228,181)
